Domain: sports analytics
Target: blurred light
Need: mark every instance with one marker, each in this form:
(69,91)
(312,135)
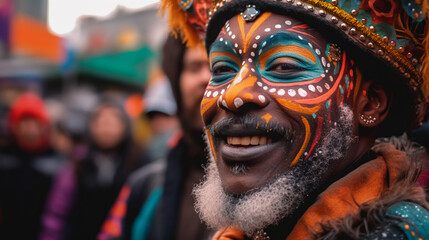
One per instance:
(63,14)
(134,4)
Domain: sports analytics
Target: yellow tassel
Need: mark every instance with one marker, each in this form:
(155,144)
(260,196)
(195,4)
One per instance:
(178,24)
(425,63)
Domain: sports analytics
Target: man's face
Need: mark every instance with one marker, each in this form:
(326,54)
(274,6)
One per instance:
(276,91)
(193,81)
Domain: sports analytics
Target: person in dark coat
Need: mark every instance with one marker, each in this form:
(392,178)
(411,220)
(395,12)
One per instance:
(86,189)
(157,199)
(27,168)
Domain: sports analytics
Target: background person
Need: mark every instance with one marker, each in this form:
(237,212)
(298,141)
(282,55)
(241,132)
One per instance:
(85,190)
(158,198)
(27,168)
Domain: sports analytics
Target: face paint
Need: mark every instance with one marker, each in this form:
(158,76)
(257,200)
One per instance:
(279,71)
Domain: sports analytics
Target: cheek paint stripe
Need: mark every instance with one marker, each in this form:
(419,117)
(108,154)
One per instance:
(317,136)
(350,89)
(304,145)
(292,84)
(211,144)
(358,80)
(329,93)
(206,104)
(297,107)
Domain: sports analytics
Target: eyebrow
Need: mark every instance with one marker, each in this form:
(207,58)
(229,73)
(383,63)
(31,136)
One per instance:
(219,53)
(263,58)
(220,49)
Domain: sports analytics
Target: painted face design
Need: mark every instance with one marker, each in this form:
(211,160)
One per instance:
(275,92)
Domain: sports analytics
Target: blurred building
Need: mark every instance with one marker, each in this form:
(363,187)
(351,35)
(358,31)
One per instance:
(114,54)
(121,50)
(29,52)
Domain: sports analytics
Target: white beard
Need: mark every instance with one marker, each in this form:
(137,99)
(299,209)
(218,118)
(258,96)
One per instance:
(269,204)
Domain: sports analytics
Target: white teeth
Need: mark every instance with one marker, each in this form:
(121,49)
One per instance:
(246,141)
(254,140)
(235,141)
(263,140)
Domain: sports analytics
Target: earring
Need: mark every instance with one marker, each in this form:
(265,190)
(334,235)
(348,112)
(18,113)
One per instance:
(368,119)
(334,52)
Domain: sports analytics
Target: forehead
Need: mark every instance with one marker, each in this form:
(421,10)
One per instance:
(266,28)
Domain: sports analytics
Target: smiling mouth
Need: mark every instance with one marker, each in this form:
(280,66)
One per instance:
(248,141)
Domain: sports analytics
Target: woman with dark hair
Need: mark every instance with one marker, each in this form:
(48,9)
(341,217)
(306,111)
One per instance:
(86,189)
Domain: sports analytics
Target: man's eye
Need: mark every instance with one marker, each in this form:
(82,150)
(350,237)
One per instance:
(285,68)
(221,70)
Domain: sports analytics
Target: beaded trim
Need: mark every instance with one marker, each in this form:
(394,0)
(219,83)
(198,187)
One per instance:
(360,34)
(395,57)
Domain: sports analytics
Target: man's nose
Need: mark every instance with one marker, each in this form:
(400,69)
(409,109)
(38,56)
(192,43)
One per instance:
(243,92)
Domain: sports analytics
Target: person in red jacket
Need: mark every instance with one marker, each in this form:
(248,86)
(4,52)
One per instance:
(27,168)
(29,123)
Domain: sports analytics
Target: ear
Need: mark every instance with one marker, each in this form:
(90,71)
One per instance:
(373,104)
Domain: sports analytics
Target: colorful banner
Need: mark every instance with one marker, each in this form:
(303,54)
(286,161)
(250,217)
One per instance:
(6,11)
(31,38)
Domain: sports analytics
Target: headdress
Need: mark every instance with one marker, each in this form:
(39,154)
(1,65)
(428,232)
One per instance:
(392,33)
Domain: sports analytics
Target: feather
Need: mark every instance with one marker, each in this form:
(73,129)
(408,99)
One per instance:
(178,22)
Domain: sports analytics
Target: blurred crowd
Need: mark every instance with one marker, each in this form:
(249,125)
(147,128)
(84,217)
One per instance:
(62,165)
(63,162)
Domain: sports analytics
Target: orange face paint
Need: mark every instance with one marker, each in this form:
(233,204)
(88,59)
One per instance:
(246,37)
(306,140)
(286,48)
(297,107)
(211,144)
(267,117)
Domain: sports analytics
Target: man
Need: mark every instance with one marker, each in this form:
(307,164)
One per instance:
(299,92)
(158,198)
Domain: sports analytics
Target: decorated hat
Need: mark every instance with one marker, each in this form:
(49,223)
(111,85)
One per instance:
(389,33)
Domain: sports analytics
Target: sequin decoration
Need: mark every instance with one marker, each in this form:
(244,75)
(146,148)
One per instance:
(250,14)
(186,4)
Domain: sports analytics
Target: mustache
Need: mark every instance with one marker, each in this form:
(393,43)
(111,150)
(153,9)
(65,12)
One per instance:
(252,123)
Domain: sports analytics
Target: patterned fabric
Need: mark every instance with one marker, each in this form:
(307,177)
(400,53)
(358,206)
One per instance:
(58,205)
(415,219)
(348,193)
(112,227)
(143,222)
